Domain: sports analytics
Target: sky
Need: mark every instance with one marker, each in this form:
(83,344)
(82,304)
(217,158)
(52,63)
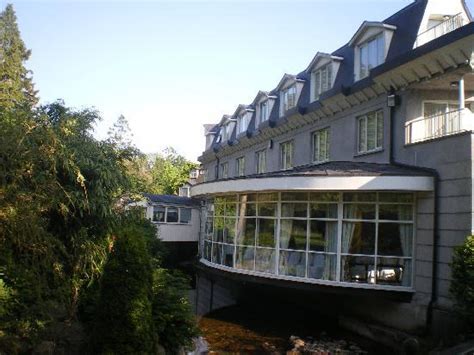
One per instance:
(170,66)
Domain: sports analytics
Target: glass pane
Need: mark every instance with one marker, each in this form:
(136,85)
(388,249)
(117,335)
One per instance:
(324,196)
(323,236)
(228,257)
(395,272)
(395,197)
(207,250)
(184,215)
(229,231)
(360,196)
(172,215)
(358,238)
(373,57)
(219,209)
(293,234)
(321,266)
(358,269)
(217,253)
(209,227)
(266,232)
(245,258)
(323,210)
(230,209)
(395,239)
(265,260)
(364,61)
(247,209)
(246,231)
(362,135)
(267,209)
(218,229)
(371,132)
(396,212)
(292,263)
(158,214)
(248,198)
(359,211)
(294,196)
(273,196)
(379,129)
(380,49)
(294,210)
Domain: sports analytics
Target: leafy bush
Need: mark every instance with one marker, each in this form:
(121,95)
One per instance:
(172,313)
(462,286)
(124,322)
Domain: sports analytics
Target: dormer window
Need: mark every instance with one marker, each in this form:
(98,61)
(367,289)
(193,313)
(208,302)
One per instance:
(371,55)
(263,114)
(243,122)
(289,98)
(322,79)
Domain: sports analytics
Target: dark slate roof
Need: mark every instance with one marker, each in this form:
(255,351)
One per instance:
(172,200)
(407,21)
(344,168)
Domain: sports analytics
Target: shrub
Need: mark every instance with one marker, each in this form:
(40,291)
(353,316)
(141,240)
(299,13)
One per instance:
(172,314)
(462,286)
(124,322)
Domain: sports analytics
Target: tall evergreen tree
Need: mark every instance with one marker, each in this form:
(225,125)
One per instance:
(16,85)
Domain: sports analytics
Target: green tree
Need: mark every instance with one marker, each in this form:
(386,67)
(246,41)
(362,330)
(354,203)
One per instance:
(170,171)
(16,85)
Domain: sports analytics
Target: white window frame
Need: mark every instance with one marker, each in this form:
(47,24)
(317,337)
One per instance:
(283,161)
(380,57)
(240,166)
(326,71)
(166,207)
(286,95)
(261,164)
(379,115)
(319,136)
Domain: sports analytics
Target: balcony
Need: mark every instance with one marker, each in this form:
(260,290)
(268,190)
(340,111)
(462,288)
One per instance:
(427,128)
(450,24)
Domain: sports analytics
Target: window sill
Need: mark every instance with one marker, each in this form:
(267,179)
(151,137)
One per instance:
(171,223)
(374,151)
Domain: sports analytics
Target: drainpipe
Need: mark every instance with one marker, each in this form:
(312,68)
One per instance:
(392,103)
(462,98)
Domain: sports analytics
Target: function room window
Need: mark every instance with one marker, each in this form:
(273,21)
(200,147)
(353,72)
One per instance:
(224,170)
(289,98)
(342,238)
(322,79)
(370,132)
(261,160)
(371,54)
(263,112)
(321,145)
(286,155)
(240,166)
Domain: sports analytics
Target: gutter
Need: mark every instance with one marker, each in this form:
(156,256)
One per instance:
(434,272)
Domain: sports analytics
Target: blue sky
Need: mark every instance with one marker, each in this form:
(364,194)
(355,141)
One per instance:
(171,66)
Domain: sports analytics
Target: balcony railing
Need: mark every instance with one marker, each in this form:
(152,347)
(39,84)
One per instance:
(433,127)
(451,24)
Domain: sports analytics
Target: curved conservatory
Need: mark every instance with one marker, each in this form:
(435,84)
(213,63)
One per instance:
(357,237)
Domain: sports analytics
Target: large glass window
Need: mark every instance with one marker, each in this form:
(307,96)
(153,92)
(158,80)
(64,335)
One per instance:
(321,145)
(371,54)
(286,155)
(364,238)
(261,161)
(370,132)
